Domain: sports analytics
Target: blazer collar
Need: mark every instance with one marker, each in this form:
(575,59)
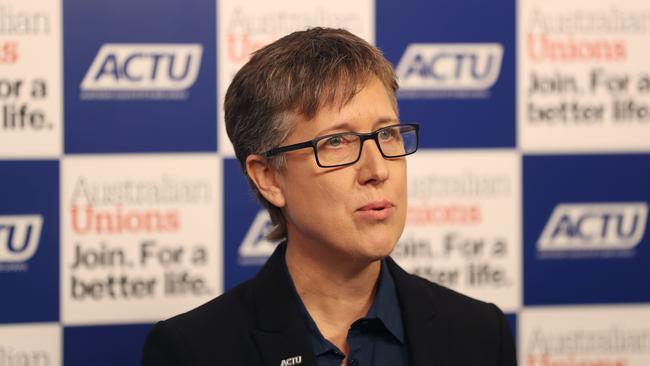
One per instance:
(281,334)
(427,335)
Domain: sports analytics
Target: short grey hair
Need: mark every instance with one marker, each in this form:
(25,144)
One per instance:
(297,75)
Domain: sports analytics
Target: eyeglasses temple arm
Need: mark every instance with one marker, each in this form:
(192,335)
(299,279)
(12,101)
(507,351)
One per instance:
(281,149)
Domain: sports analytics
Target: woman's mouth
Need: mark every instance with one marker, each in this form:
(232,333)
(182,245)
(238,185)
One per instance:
(376,210)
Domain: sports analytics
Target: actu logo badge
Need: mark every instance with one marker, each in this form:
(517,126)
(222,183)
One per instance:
(594,226)
(291,361)
(19,237)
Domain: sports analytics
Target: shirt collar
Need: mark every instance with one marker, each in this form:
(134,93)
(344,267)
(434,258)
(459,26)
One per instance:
(385,307)
(386,304)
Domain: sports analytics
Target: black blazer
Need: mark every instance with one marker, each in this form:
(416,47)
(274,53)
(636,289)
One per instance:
(259,323)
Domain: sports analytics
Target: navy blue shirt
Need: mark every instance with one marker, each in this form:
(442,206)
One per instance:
(376,339)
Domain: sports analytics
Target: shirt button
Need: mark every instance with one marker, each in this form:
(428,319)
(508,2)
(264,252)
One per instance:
(354,362)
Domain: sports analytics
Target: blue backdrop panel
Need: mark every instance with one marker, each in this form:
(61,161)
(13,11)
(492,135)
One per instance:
(583,278)
(512,322)
(139,125)
(242,208)
(31,291)
(107,345)
(455,121)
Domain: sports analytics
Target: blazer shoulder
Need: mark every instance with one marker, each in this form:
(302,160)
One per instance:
(442,298)
(468,324)
(459,306)
(208,334)
(463,313)
(472,323)
(232,308)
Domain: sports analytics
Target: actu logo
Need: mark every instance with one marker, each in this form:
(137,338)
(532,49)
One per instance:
(450,66)
(143,67)
(19,237)
(255,249)
(291,361)
(594,226)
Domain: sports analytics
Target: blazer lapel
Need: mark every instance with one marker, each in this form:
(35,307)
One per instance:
(426,333)
(290,347)
(281,336)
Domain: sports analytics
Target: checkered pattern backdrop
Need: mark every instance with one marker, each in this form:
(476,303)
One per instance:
(121,203)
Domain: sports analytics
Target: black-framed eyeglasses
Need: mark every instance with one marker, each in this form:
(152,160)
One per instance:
(344,148)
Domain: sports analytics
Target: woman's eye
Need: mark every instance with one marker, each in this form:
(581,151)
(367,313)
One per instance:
(384,134)
(334,141)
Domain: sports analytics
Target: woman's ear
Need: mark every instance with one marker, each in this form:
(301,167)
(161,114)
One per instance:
(264,176)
